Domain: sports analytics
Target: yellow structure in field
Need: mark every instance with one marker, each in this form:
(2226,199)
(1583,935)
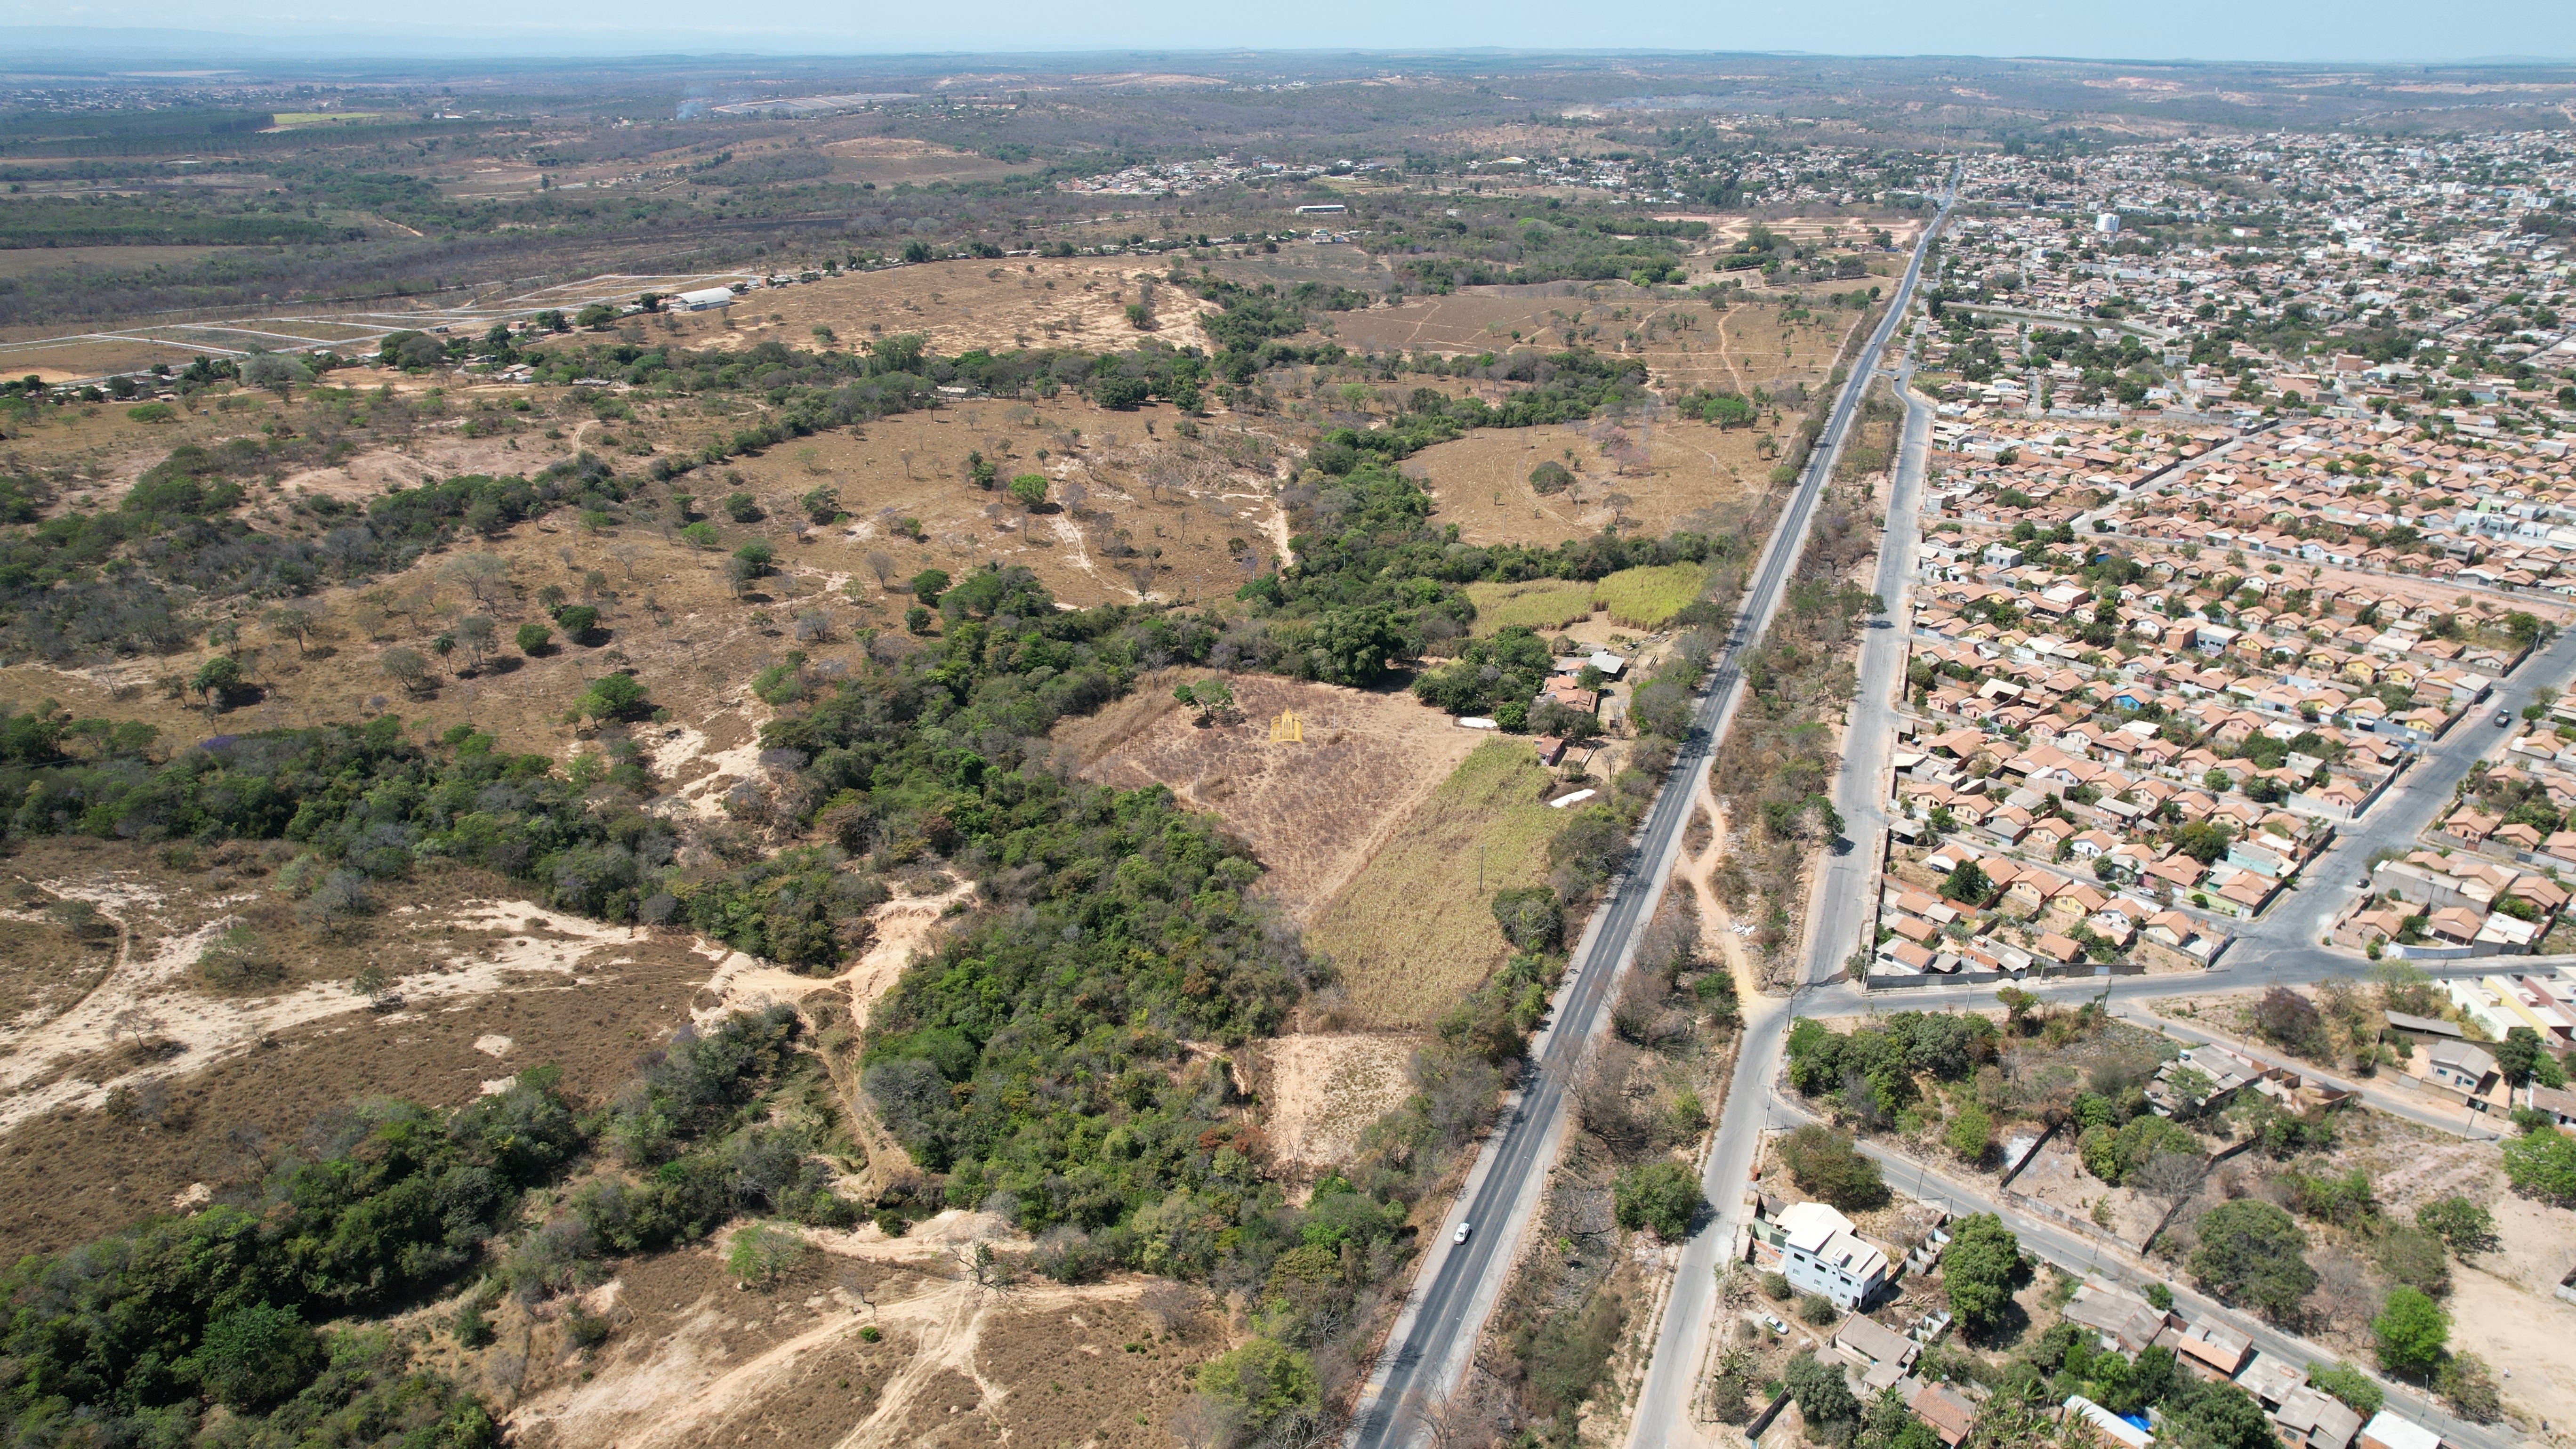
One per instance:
(1288,729)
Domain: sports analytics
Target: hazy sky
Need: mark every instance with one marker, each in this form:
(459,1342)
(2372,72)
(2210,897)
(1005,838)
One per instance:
(2330,30)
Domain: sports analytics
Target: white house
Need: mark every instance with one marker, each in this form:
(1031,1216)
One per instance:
(1819,1253)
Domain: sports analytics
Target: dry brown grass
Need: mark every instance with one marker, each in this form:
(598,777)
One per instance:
(1686,343)
(1414,931)
(1022,302)
(1700,477)
(1314,812)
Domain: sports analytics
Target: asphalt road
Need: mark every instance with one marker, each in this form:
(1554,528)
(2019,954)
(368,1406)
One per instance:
(1434,1337)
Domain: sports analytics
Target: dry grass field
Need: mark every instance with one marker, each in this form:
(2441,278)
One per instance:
(1319,1090)
(892,160)
(865,1342)
(1316,812)
(1024,302)
(1686,343)
(1414,930)
(1664,475)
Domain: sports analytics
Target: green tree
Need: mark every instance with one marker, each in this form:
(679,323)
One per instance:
(1823,1397)
(217,678)
(2543,1163)
(2252,1252)
(2348,1384)
(533,636)
(615,697)
(1531,917)
(1263,1380)
(928,585)
(2466,1227)
(1979,1270)
(577,621)
(256,1355)
(1029,490)
(742,508)
(1662,1195)
(1970,1133)
(1823,1162)
(2410,1333)
(1968,884)
(2517,1055)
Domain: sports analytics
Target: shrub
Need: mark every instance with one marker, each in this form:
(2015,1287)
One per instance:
(2543,1164)
(2290,1019)
(1775,1286)
(760,1255)
(2410,1332)
(1824,1164)
(1550,477)
(1970,1133)
(2348,1384)
(237,960)
(2252,1252)
(1531,918)
(2466,1227)
(1817,1309)
(2465,1384)
(254,1356)
(533,636)
(742,508)
(1263,1381)
(577,621)
(1979,1270)
(1662,1195)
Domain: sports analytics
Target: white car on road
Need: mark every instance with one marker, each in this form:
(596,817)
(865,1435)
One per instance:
(1464,1229)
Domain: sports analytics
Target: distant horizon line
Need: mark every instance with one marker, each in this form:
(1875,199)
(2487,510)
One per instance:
(111,43)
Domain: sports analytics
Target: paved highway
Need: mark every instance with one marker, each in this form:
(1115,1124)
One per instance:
(1434,1337)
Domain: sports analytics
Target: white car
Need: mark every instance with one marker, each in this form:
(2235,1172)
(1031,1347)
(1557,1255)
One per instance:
(1464,1229)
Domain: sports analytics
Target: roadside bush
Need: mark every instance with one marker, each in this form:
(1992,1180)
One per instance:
(1824,1164)
(2251,1252)
(2542,1164)
(1662,1195)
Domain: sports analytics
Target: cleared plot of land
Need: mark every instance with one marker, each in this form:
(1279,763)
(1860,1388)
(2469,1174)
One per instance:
(1652,479)
(958,305)
(1314,812)
(1319,1091)
(29,261)
(1535,604)
(127,1083)
(1414,931)
(1686,343)
(887,160)
(1638,598)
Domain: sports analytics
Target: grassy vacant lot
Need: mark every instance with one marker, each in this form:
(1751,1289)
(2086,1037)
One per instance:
(1413,933)
(1644,598)
(1536,604)
(1641,598)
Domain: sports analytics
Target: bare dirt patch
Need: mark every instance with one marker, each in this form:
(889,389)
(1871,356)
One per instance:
(961,305)
(1320,1090)
(887,160)
(1667,475)
(1313,812)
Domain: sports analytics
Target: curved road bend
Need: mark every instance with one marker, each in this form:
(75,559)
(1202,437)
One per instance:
(1434,1337)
